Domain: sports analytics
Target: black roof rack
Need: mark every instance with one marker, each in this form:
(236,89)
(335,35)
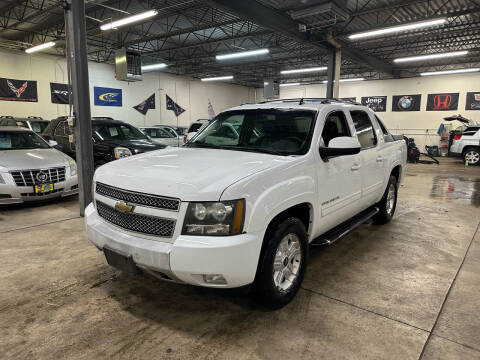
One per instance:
(301,101)
(35,117)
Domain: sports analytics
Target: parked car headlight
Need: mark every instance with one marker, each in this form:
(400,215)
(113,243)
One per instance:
(214,218)
(121,152)
(73,167)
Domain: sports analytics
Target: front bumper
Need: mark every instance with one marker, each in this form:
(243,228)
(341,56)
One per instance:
(10,193)
(187,259)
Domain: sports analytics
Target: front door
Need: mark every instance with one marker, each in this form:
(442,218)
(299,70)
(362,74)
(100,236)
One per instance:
(339,178)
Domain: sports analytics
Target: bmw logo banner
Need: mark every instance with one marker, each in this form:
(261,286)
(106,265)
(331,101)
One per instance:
(406,102)
(107,96)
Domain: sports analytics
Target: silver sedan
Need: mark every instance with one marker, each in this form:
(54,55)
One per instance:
(31,169)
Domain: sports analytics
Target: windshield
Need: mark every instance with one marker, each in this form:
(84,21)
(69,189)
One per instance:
(38,126)
(157,133)
(117,132)
(19,140)
(283,132)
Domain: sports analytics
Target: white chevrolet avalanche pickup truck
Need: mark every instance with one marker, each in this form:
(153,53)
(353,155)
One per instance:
(240,203)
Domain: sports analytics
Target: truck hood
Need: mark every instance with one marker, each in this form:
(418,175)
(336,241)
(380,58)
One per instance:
(31,159)
(190,174)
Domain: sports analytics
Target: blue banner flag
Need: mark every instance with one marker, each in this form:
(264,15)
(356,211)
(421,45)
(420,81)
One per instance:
(107,96)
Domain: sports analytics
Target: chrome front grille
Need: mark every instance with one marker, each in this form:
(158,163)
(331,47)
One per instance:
(34,176)
(137,198)
(136,222)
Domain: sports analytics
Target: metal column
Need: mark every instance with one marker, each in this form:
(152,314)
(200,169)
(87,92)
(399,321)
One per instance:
(333,73)
(78,69)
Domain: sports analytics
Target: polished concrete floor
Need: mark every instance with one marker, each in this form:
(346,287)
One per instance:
(406,290)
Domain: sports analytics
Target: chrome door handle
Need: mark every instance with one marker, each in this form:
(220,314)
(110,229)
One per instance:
(355,167)
(379,159)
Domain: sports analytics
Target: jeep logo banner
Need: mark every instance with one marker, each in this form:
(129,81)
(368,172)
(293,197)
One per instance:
(107,96)
(376,103)
(473,101)
(59,93)
(18,90)
(406,102)
(442,102)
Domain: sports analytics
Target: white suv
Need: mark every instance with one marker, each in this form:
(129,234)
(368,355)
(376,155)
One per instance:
(235,208)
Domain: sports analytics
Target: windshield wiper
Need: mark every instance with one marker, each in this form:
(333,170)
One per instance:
(260,150)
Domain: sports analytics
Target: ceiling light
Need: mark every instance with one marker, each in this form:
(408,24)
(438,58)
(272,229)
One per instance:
(218,78)
(129,20)
(40,47)
(296,71)
(153,67)
(242,54)
(347,80)
(395,29)
(431,56)
(447,72)
(290,84)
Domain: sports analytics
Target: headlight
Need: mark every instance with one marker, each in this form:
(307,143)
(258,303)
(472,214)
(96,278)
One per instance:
(214,218)
(121,152)
(73,167)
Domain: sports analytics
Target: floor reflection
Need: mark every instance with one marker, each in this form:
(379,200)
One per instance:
(457,189)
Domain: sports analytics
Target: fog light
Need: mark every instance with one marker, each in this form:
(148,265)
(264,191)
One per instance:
(214,279)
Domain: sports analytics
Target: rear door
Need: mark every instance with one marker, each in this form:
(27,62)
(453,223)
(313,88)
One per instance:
(339,178)
(372,157)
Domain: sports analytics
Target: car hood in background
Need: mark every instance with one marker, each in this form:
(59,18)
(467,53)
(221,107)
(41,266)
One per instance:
(32,159)
(190,174)
(142,145)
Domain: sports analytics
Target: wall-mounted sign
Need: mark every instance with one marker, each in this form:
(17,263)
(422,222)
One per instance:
(473,101)
(406,102)
(59,93)
(18,90)
(442,102)
(376,103)
(107,96)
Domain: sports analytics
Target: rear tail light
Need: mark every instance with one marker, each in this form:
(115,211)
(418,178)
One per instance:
(457,137)
(184,139)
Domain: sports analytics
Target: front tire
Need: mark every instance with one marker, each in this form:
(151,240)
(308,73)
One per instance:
(282,266)
(472,156)
(388,204)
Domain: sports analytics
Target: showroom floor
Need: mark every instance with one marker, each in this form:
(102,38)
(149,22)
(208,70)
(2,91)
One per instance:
(406,290)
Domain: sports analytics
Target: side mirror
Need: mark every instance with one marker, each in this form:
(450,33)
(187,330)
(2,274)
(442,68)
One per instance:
(340,146)
(52,143)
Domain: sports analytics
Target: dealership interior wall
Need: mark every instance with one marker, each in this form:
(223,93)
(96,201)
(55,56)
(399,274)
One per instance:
(193,95)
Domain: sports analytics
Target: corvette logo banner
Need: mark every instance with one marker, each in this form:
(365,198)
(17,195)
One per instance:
(406,102)
(103,96)
(376,103)
(473,101)
(59,93)
(442,102)
(18,90)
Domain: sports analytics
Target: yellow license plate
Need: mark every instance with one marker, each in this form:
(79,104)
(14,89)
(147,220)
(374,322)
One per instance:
(44,188)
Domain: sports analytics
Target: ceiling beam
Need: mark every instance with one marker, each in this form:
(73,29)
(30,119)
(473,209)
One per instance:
(277,21)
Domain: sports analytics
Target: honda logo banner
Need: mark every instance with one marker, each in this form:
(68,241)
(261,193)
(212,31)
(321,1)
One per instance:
(18,90)
(59,93)
(442,102)
(376,103)
(406,102)
(473,101)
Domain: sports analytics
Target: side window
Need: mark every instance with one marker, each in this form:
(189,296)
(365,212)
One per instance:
(384,129)
(60,129)
(336,125)
(363,125)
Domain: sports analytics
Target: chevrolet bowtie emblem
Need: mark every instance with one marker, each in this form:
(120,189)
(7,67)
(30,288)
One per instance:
(123,207)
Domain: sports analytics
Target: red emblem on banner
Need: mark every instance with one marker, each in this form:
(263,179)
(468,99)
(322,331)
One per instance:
(442,102)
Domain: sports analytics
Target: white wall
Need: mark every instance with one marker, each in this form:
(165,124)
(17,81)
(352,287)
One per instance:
(191,94)
(424,120)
